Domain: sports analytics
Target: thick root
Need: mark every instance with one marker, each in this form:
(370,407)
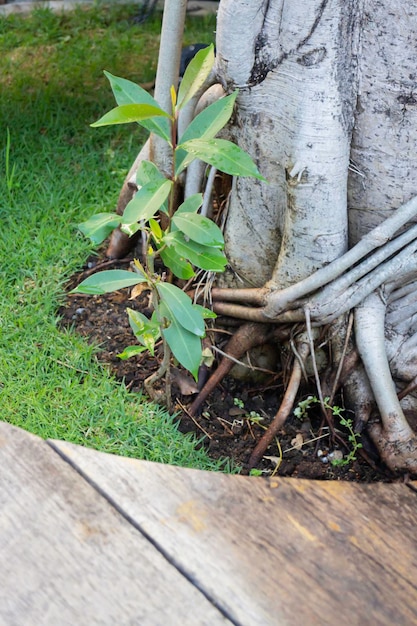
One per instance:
(246,337)
(398,453)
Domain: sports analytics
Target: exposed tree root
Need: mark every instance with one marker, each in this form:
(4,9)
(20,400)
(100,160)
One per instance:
(396,441)
(245,338)
(398,453)
(285,408)
(342,284)
(363,279)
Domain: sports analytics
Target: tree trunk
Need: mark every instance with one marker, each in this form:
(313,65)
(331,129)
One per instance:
(327,108)
(296,103)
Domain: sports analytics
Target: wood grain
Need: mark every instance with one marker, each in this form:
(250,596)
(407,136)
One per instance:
(69,558)
(274,552)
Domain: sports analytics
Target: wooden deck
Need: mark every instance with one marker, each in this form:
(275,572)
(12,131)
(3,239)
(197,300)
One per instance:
(88,538)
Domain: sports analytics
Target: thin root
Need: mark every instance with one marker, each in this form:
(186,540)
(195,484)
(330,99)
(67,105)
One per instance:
(283,411)
(246,337)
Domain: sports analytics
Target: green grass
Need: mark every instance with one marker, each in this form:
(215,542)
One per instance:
(55,171)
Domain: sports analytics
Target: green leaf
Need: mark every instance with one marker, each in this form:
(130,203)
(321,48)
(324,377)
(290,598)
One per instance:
(126,92)
(147,201)
(224,155)
(179,266)
(210,120)
(195,75)
(146,331)
(130,351)
(130,229)
(205,313)
(156,230)
(199,229)
(147,173)
(191,204)
(185,346)
(109,280)
(179,306)
(99,226)
(210,259)
(205,125)
(126,113)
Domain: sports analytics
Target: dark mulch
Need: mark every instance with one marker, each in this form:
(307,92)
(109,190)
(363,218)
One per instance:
(226,429)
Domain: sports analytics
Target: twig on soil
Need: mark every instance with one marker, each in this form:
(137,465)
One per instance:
(183,408)
(408,389)
(278,464)
(225,425)
(306,442)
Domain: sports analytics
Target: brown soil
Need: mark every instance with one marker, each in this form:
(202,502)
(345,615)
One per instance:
(226,429)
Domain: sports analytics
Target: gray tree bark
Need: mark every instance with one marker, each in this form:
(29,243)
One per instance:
(328,109)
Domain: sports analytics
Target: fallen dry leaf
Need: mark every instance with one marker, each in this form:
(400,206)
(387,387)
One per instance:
(186,384)
(138,290)
(298,441)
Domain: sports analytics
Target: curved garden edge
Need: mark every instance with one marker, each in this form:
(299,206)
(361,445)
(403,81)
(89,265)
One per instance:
(231,549)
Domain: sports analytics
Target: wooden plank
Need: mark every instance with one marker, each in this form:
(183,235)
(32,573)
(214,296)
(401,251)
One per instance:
(69,558)
(276,551)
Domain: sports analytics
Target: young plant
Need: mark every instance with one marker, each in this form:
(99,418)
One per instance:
(179,236)
(301,412)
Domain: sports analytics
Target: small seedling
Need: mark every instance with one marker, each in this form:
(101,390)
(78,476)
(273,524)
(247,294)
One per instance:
(301,412)
(239,403)
(353,439)
(251,416)
(256,472)
(183,239)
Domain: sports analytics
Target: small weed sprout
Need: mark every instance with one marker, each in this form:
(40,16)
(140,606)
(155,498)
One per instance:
(353,439)
(184,238)
(252,417)
(301,412)
(256,472)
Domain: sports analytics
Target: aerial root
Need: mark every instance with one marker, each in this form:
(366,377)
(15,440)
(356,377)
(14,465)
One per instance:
(379,257)
(394,438)
(285,408)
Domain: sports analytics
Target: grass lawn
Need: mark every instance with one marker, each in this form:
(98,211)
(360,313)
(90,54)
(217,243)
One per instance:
(55,171)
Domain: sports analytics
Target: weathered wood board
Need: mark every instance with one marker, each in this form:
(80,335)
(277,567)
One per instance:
(68,557)
(274,552)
